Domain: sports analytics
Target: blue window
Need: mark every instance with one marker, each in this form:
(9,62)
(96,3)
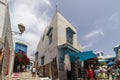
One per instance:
(42,60)
(102,54)
(20,47)
(49,34)
(98,54)
(36,55)
(70,33)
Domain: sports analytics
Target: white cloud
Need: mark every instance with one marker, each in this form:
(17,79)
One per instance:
(33,14)
(84,47)
(91,38)
(89,44)
(47,2)
(94,34)
(114,21)
(115,17)
(111,23)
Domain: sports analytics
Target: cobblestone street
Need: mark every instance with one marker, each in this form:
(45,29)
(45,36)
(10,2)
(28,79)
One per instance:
(24,76)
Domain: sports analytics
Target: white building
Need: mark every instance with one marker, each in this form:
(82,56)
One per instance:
(117,53)
(99,54)
(6,41)
(27,52)
(20,41)
(58,38)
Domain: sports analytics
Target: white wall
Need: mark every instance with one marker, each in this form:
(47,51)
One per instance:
(2,16)
(59,25)
(5,28)
(62,24)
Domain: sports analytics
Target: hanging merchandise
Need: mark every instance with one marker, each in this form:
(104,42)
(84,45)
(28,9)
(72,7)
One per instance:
(67,64)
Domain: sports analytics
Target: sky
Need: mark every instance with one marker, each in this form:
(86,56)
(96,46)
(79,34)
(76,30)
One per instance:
(97,21)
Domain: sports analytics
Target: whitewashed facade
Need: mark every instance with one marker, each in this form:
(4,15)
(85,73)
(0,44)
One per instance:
(6,40)
(117,53)
(28,53)
(57,37)
(18,40)
(99,54)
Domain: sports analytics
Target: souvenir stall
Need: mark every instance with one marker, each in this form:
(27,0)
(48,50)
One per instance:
(79,62)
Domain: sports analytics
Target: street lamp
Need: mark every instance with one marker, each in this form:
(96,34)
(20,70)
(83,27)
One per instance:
(21,28)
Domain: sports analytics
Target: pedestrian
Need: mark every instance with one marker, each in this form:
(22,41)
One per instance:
(109,70)
(73,74)
(102,75)
(96,71)
(18,68)
(23,67)
(90,73)
(115,73)
(33,72)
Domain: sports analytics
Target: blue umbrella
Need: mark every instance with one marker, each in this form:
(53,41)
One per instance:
(111,63)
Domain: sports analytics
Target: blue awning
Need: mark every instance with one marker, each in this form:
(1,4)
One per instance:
(73,56)
(86,55)
(111,63)
(82,55)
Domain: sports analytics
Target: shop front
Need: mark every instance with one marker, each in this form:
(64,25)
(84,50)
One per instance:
(72,61)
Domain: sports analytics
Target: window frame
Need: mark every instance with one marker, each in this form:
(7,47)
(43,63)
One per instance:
(50,34)
(69,35)
(42,60)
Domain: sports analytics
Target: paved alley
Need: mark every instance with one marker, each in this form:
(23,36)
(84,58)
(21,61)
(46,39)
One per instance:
(24,76)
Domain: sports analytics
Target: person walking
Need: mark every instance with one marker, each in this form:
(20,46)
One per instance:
(18,68)
(102,75)
(90,73)
(115,73)
(96,71)
(33,72)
